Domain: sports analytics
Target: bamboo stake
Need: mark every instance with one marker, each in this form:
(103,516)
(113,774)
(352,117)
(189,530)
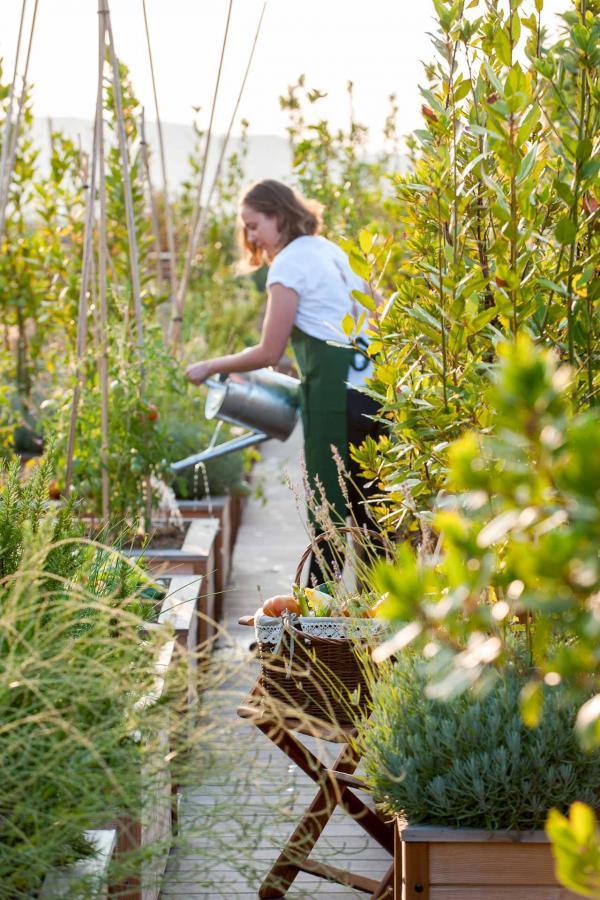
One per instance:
(11,97)
(133,247)
(191,248)
(163,165)
(152,199)
(12,150)
(206,208)
(83,308)
(102,257)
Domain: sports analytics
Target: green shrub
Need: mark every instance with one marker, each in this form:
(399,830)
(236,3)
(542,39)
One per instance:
(471,762)
(73,664)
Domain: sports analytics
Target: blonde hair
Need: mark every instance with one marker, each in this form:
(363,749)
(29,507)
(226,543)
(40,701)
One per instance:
(296,216)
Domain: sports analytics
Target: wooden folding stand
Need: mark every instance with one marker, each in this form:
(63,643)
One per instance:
(335,789)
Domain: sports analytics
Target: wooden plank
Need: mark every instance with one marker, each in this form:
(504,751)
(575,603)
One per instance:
(415,871)
(221,509)
(491,863)
(341,876)
(439,834)
(488,892)
(180,610)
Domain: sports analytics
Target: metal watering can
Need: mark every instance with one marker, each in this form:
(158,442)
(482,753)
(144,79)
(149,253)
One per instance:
(264,401)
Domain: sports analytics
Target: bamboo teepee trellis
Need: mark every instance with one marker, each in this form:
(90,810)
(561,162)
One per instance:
(134,265)
(163,165)
(201,223)
(200,212)
(11,130)
(86,270)
(176,324)
(97,165)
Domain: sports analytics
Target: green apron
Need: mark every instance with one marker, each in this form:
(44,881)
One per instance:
(323,398)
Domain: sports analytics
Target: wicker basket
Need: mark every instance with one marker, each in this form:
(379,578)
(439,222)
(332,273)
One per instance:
(312,676)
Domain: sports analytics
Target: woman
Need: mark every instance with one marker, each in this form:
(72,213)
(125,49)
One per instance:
(309,293)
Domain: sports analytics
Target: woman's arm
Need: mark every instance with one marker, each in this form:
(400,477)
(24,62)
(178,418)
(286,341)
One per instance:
(279,319)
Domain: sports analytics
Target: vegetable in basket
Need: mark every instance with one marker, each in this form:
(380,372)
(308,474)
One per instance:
(321,602)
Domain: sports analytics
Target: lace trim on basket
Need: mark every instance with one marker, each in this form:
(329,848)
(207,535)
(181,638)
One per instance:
(270,630)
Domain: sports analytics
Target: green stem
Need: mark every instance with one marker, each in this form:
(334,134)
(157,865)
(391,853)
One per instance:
(442,304)
(513,201)
(575,210)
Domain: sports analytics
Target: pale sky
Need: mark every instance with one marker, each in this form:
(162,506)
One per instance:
(379,44)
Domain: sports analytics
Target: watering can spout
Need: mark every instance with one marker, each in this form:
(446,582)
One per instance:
(238,443)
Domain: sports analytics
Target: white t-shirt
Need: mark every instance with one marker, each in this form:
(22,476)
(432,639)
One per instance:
(319,272)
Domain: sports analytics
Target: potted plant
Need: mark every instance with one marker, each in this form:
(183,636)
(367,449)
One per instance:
(471,784)
(505,610)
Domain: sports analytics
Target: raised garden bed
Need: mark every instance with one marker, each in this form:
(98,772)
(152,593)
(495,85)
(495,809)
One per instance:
(152,826)
(471,864)
(221,508)
(194,556)
(180,610)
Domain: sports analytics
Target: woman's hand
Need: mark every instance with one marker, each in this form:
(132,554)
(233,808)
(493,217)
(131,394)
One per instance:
(200,371)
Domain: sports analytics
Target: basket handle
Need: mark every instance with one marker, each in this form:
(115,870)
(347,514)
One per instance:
(320,538)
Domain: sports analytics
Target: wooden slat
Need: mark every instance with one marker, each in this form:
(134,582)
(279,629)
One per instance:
(438,834)
(500,893)
(341,876)
(490,863)
(415,872)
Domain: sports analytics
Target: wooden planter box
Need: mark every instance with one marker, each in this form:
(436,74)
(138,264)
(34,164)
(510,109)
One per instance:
(195,559)
(219,508)
(238,502)
(180,609)
(60,884)
(470,864)
(152,825)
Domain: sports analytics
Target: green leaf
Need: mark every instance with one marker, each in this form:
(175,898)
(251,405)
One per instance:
(366,241)
(358,265)
(502,46)
(565,232)
(462,90)
(584,150)
(348,324)
(482,319)
(527,164)
(516,29)
(553,286)
(583,822)
(564,192)
(591,168)
(528,124)
(532,703)
(412,186)
(365,300)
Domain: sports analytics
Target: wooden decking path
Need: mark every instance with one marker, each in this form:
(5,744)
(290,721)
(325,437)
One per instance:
(249,797)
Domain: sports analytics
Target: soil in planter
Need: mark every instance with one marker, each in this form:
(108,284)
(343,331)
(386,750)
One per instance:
(162,537)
